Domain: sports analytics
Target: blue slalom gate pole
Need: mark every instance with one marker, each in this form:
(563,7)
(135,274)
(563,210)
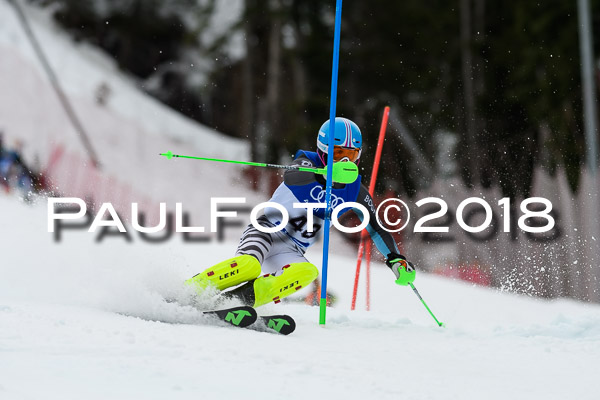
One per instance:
(332,105)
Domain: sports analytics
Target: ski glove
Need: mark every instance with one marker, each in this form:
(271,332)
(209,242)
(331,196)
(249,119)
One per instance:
(343,172)
(403,270)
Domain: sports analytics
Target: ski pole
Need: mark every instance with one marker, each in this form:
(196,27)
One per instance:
(345,171)
(425,304)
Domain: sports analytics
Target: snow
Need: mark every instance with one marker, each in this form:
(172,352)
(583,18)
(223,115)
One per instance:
(87,320)
(127,132)
(67,331)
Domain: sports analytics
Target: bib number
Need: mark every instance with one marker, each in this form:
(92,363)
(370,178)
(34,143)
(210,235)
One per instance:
(299,223)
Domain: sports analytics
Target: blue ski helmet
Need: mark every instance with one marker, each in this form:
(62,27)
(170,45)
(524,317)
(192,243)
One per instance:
(347,140)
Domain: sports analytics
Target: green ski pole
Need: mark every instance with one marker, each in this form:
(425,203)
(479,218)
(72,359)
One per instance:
(425,304)
(345,171)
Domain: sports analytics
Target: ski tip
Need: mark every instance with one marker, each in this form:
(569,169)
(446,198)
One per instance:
(237,316)
(282,324)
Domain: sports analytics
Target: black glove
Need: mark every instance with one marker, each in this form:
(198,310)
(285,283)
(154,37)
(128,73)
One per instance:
(403,270)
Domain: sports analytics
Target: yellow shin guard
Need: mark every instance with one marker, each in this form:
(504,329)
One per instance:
(226,274)
(274,288)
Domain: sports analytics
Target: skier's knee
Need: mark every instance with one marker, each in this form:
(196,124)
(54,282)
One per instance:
(306,270)
(273,288)
(249,263)
(313,270)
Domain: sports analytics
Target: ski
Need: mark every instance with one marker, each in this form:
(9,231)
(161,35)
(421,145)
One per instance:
(246,317)
(240,317)
(282,324)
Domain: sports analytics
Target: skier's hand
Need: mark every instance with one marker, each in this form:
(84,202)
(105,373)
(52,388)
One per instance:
(343,172)
(403,270)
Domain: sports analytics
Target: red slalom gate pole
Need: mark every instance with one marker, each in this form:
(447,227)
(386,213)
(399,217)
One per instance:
(368,260)
(361,249)
(363,236)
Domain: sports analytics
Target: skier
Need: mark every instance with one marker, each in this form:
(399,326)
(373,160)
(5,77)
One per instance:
(281,254)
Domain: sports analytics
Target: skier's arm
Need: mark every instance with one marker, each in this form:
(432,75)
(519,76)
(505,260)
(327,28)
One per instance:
(383,240)
(403,270)
(297,178)
(340,174)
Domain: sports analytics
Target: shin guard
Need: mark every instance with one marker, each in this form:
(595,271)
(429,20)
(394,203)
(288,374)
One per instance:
(226,274)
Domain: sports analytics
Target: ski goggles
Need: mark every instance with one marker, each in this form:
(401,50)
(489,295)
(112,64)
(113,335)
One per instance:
(341,153)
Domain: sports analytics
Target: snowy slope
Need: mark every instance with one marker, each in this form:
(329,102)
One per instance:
(63,334)
(127,132)
(30,109)
(66,325)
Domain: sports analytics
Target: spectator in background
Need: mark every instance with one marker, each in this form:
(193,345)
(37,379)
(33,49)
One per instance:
(4,165)
(14,173)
